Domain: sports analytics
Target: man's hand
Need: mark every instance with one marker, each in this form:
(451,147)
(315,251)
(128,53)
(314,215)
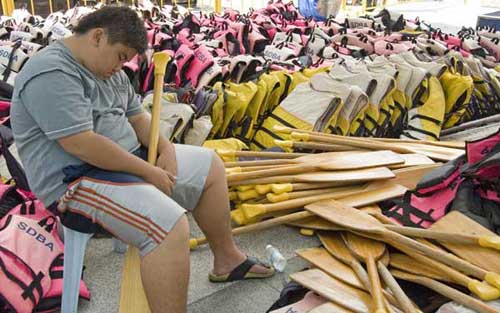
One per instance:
(161,179)
(166,160)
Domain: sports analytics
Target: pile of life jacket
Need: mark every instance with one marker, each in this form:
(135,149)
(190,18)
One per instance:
(469,184)
(237,75)
(31,251)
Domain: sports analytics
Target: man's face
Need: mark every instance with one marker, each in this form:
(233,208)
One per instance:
(108,59)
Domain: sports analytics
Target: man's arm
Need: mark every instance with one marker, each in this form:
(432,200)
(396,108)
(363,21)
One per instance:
(103,153)
(141,124)
(166,150)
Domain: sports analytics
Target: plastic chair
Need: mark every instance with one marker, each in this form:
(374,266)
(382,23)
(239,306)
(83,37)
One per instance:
(75,243)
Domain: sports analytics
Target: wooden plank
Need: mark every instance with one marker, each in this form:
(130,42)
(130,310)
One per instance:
(334,290)
(485,258)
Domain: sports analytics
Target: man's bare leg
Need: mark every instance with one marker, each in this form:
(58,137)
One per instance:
(212,215)
(165,271)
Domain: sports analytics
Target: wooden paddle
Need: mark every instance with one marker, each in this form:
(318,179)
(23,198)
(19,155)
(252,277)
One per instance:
(258,163)
(404,302)
(446,291)
(413,159)
(356,198)
(335,245)
(483,241)
(351,218)
(260,154)
(363,198)
(274,198)
(405,263)
(309,302)
(132,297)
(340,177)
(313,146)
(329,307)
(282,188)
(436,153)
(457,222)
(481,289)
(334,290)
(447,144)
(327,161)
(253,211)
(368,251)
(244,169)
(323,260)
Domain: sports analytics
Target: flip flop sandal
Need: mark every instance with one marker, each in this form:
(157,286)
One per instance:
(242,272)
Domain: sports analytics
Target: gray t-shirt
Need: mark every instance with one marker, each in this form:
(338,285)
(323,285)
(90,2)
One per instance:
(54,97)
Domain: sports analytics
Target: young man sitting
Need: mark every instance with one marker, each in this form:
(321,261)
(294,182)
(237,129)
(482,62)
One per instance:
(80,132)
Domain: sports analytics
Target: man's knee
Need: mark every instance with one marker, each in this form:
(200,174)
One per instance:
(180,232)
(217,170)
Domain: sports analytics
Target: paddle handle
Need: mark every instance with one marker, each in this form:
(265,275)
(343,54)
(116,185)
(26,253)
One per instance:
(376,286)
(315,146)
(282,188)
(448,292)
(445,144)
(254,210)
(436,254)
(404,302)
(160,60)
(259,163)
(287,170)
(437,235)
(261,154)
(265,180)
(350,141)
(365,280)
(244,169)
(272,197)
(482,289)
(196,242)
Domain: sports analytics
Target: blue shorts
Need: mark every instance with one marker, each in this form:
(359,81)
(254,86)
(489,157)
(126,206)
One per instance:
(131,209)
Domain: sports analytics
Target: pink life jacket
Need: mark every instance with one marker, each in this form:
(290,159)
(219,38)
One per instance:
(183,57)
(27,251)
(201,62)
(431,198)
(35,211)
(492,45)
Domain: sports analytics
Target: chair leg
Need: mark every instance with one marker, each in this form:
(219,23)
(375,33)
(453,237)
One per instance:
(74,251)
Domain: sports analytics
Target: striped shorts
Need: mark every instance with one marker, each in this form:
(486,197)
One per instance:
(132,210)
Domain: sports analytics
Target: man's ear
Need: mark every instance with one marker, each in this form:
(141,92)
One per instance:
(97,36)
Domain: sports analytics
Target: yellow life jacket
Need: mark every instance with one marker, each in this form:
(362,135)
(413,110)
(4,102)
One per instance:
(425,120)
(228,144)
(310,106)
(247,129)
(237,98)
(458,91)
(217,109)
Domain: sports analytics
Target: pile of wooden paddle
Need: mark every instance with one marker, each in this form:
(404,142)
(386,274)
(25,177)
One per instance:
(280,183)
(353,236)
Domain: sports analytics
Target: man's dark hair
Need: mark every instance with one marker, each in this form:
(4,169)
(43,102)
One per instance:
(122,25)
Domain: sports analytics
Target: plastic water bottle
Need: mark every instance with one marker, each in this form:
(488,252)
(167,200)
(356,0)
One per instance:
(276,259)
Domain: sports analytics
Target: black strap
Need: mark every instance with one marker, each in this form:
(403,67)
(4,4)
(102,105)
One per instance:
(18,282)
(6,72)
(35,284)
(15,169)
(241,270)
